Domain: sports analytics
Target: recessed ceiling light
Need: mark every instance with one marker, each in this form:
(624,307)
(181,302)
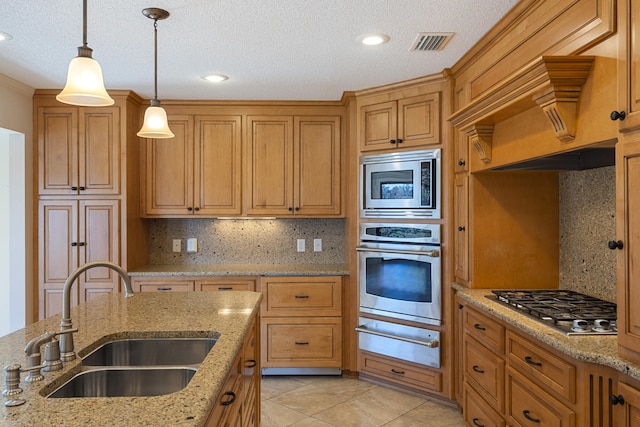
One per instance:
(215,78)
(5,36)
(373,39)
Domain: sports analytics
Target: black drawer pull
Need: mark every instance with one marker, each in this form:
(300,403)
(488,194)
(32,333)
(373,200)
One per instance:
(163,289)
(225,288)
(530,361)
(526,413)
(230,401)
(476,423)
(302,342)
(251,363)
(480,328)
(302,296)
(477,369)
(397,372)
(74,188)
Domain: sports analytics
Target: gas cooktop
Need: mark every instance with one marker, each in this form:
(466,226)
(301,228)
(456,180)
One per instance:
(570,312)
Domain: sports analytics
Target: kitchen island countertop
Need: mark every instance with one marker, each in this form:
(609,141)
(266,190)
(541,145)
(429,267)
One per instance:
(241,270)
(144,315)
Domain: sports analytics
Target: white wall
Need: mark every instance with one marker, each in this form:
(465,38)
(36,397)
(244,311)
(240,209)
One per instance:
(16,229)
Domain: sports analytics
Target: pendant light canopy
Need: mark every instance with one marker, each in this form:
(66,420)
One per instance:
(85,86)
(155,123)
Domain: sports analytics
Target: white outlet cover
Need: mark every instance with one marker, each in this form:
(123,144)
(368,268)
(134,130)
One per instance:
(301,245)
(317,245)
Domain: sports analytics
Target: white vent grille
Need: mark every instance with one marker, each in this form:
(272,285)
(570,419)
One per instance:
(430,41)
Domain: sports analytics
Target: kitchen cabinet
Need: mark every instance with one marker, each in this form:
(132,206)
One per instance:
(400,372)
(629,60)
(72,233)
(630,416)
(301,322)
(197,173)
(628,257)
(78,150)
(462,229)
(293,166)
(403,123)
(191,284)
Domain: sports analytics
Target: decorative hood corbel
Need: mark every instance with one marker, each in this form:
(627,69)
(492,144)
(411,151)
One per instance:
(554,83)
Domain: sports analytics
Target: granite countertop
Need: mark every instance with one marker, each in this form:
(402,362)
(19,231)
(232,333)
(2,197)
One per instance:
(602,350)
(144,314)
(242,270)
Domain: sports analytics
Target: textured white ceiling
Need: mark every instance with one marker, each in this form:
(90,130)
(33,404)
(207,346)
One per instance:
(270,49)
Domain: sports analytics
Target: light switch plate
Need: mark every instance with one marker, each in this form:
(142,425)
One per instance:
(177,245)
(317,245)
(192,245)
(301,245)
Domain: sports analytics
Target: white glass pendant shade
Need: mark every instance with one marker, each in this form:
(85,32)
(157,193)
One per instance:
(155,123)
(85,86)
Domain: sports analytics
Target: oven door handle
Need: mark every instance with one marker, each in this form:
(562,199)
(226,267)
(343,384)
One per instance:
(429,343)
(433,253)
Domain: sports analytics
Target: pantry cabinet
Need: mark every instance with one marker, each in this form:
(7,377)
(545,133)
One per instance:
(78,150)
(403,123)
(72,233)
(293,166)
(196,173)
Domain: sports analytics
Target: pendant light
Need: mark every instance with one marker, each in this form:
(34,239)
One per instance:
(85,86)
(155,123)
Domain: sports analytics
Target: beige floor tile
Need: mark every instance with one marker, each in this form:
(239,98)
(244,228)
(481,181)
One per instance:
(271,387)
(311,422)
(276,415)
(429,414)
(310,399)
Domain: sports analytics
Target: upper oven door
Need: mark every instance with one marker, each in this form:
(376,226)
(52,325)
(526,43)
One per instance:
(401,284)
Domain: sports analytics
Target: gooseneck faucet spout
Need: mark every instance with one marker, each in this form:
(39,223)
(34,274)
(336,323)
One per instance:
(67,352)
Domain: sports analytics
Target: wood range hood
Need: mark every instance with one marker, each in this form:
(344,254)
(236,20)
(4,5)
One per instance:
(554,84)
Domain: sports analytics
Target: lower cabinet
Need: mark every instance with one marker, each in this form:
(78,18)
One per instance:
(190,284)
(399,372)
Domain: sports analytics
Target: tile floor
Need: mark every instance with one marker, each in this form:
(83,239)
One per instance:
(302,401)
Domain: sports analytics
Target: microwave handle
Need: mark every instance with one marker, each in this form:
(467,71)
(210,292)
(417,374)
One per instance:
(433,253)
(429,343)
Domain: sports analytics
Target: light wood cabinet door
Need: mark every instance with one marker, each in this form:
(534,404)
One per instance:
(630,416)
(270,165)
(461,223)
(78,151)
(302,296)
(629,66)
(628,257)
(405,374)
(379,123)
(71,234)
(169,171)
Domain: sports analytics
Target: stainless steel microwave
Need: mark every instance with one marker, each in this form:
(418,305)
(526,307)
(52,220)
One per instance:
(401,185)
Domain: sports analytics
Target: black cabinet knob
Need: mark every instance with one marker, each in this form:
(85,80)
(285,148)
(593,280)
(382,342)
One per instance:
(189,208)
(74,244)
(82,189)
(616,400)
(393,141)
(290,209)
(615,245)
(399,141)
(196,209)
(618,115)
(461,162)
(74,188)
(461,228)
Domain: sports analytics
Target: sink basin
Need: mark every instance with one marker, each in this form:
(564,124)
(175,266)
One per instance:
(151,352)
(114,382)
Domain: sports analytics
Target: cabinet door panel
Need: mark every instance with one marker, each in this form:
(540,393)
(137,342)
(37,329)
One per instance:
(629,67)
(99,151)
(169,165)
(419,120)
(317,165)
(57,150)
(379,124)
(461,197)
(217,177)
(270,165)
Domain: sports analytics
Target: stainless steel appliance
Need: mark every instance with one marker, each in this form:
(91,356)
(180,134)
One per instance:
(569,312)
(400,271)
(401,185)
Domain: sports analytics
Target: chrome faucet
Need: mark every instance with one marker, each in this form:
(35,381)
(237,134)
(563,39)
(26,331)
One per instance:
(67,352)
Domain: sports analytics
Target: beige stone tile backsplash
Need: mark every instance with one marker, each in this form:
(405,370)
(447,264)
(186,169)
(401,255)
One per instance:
(253,241)
(587,223)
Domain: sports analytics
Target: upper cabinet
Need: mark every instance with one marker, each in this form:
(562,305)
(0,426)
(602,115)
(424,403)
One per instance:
(198,172)
(78,150)
(407,122)
(293,166)
(628,113)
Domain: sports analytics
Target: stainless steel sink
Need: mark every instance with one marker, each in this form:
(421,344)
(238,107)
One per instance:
(151,352)
(114,382)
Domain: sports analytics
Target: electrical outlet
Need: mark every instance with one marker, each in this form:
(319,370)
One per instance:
(192,245)
(177,245)
(301,245)
(317,245)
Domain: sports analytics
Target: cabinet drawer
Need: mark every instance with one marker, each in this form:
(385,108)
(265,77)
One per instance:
(477,412)
(294,296)
(549,371)
(485,371)
(302,342)
(212,287)
(163,286)
(529,405)
(403,373)
(484,329)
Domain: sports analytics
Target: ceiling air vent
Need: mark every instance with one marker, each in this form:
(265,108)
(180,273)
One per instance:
(430,41)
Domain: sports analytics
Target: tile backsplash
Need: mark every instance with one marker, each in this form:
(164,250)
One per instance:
(251,241)
(587,223)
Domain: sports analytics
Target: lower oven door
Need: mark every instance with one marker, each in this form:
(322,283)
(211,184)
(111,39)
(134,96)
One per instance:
(402,342)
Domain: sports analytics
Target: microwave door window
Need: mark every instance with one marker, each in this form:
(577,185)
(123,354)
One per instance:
(392,185)
(399,279)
